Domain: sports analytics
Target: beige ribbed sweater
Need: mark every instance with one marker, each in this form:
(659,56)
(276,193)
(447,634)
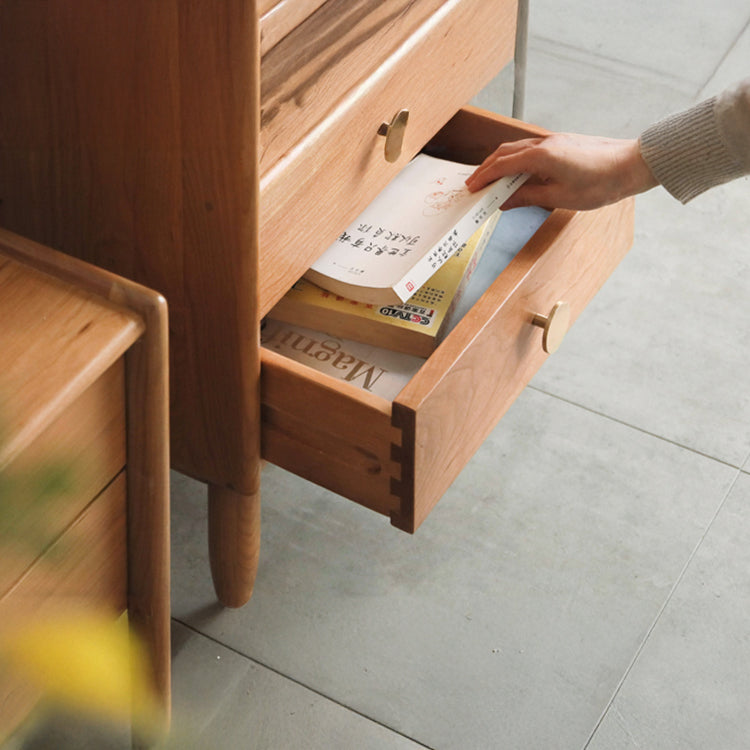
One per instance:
(703,146)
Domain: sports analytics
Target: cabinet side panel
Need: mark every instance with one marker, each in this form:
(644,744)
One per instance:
(128,138)
(89,138)
(219,102)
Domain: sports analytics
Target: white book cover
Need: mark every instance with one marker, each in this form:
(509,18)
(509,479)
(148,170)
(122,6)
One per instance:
(413,226)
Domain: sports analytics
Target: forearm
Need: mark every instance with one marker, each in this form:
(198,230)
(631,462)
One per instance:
(687,153)
(702,147)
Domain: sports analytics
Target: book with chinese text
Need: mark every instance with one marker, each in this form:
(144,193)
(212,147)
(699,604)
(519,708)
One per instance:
(422,217)
(414,327)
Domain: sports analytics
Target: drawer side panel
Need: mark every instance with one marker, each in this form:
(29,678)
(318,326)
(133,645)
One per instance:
(334,436)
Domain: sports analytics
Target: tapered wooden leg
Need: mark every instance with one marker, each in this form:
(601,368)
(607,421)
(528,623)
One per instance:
(233,543)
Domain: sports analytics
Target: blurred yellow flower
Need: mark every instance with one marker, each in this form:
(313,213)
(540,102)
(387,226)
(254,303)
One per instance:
(85,662)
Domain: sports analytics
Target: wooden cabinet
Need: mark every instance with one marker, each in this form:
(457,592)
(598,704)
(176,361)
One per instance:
(83,386)
(399,458)
(212,150)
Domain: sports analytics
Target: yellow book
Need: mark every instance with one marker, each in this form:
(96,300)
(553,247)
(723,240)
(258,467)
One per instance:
(414,327)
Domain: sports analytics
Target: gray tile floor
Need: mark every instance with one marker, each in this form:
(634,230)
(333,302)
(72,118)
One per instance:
(584,583)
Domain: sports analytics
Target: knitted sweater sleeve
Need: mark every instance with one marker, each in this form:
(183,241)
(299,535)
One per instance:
(703,146)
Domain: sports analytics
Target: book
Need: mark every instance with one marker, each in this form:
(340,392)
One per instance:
(513,231)
(375,370)
(414,327)
(412,227)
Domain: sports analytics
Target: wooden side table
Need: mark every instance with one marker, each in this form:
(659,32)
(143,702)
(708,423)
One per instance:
(83,381)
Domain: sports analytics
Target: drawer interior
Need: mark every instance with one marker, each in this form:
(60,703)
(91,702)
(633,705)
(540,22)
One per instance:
(399,456)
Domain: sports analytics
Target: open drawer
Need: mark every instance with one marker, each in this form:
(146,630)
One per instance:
(399,457)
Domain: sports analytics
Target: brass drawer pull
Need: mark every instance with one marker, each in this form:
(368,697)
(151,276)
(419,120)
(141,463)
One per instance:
(555,326)
(394,134)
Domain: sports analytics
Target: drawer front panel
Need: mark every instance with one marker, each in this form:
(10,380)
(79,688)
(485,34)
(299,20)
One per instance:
(88,441)
(488,359)
(88,564)
(338,167)
(86,567)
(308,73)
(277,19)
(568,260)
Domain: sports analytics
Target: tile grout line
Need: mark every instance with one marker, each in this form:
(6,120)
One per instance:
(745,463)
(657,618)
(639,429)
(275,671)
(574,53)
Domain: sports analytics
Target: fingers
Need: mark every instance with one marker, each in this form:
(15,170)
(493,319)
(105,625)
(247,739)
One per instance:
(492,168)
(567,170)
(531,195)
(508,159)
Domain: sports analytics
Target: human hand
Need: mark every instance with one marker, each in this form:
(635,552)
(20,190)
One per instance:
(567,171)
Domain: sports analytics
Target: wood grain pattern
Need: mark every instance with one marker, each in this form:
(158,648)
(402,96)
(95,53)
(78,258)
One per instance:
(568,259)
(279,17)
(128,138)
(448,59)
(147,366)
(488,359)
(215,426)
(329,432)
(131,136)
(147,442)
(86,564)
(233,543)
(88,440)
(312,69)
(55,340)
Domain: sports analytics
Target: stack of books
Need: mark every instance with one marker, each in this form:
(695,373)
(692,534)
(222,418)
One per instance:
(414,327)
(382,297)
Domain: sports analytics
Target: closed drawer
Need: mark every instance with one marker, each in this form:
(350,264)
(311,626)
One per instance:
(87,442)
(399,457)
(86,567)
(279,17)
(322,159)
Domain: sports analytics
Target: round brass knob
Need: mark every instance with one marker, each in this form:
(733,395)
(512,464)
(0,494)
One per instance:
(555,326)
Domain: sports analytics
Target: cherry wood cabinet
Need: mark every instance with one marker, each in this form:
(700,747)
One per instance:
(212,149)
